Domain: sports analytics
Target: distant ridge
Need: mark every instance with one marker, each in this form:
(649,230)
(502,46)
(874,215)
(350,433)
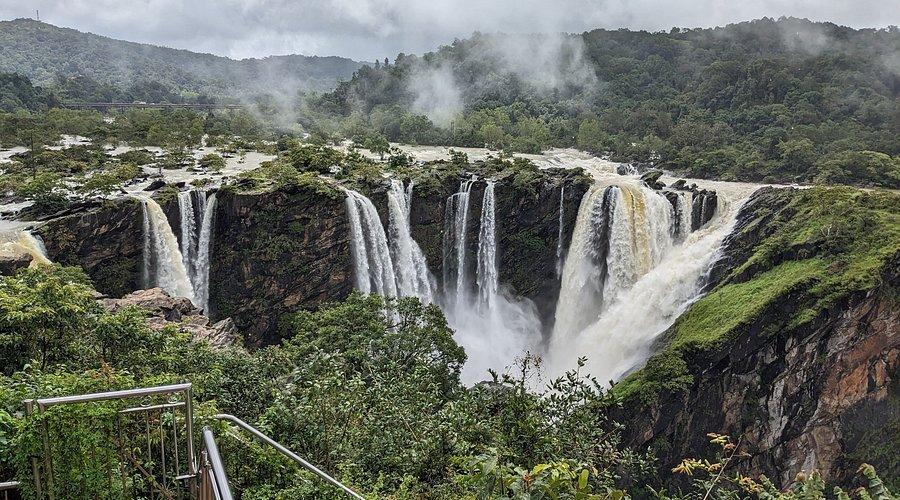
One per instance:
(45,53)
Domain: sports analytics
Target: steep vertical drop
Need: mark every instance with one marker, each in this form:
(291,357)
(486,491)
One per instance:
(204,249)
(373,266)
(456,280)
(163,263)
(638,304)
(411,268)
(196,210)
(585,269)
(189,237)
(559,236)
(486,263)
(497,328)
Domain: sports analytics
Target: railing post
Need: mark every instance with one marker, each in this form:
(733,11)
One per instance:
(35,468)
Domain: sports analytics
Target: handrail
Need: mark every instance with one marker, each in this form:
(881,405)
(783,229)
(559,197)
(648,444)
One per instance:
(220,480)
(286,452)
(103,396)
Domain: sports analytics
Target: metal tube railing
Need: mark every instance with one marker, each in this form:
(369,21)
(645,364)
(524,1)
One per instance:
(44,472)
(7,487)
(219,484)
(286,452)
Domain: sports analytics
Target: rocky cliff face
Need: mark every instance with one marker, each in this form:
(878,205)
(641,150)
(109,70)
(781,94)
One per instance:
(824,394)
(275,252)
(107,241)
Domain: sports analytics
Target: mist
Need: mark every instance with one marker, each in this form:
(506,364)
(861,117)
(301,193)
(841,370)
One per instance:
(544,64)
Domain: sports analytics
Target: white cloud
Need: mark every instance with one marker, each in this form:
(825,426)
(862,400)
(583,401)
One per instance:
(369,29)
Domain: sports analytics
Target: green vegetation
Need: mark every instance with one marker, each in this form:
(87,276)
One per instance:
(367,389)
(835,242)
(87,67)
(751,101)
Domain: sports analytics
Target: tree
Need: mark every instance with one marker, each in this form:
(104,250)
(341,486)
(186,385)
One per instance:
(212,162)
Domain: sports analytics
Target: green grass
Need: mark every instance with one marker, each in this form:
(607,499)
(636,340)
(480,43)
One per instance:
(838,242)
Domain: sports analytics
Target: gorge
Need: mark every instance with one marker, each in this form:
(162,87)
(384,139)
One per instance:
(564,263)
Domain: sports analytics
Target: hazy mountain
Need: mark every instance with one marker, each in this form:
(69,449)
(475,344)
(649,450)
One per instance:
(47,54)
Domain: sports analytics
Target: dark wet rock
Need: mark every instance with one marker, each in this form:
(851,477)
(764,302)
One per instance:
(10,263)
(156,185)
(651,179)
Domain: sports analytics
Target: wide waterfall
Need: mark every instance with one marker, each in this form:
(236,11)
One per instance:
(410,266)
(197,210)
(633,266)
(163,263)
(634,262)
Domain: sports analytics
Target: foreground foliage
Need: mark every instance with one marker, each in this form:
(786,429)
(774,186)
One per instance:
(369,390)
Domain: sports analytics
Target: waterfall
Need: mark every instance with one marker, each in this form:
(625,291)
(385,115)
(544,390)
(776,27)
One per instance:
(612,308)
(197,210)
(456,285)
(585,270)
(499,327)
(189,236)
(685,203)
(163,263)
(559,237)
(23,242)
(201,268)
(486,270)
(410,267)
(374,268)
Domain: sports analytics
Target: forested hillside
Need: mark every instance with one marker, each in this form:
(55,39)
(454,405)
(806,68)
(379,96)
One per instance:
(52,56)
(786,100)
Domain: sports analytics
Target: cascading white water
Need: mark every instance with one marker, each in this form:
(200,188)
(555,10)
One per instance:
(22,242)
(374,268)
(641,302)
(486,270)
(456,286)
(204,250)
(685,202)
(559,236)
(499,327)
(197,212)
(189,236)
(163,264)
(410,267)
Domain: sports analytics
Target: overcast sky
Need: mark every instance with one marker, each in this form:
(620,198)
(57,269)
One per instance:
(366,29)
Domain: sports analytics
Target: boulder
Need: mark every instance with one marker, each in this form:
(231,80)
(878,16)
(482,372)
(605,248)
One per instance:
(157,184)
(651,178)
(10,263)
(165,310)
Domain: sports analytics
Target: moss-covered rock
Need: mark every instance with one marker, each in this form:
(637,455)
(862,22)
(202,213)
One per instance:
(798,331)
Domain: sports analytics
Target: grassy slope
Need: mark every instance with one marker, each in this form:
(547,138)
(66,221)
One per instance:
(839,241)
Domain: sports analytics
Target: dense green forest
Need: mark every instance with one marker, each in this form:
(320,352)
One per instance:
(776,101)
(366,389)
(786,100)
(48,54)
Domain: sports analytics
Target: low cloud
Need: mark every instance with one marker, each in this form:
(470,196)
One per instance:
(370,29)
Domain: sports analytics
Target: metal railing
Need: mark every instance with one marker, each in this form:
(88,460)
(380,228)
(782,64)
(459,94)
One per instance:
(7,488)
(286,452)
(135,451)
(213,479)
